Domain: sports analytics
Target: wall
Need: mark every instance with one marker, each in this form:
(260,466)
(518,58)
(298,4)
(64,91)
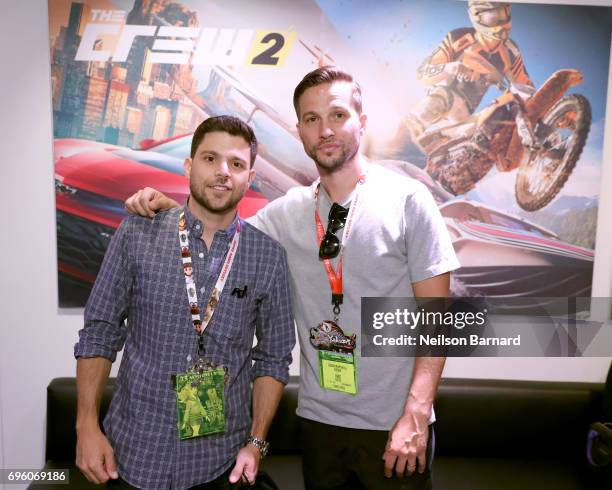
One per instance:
(35,339)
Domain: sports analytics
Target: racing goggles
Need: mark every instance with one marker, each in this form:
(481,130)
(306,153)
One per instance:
(494,17)
(500,32)
(330,245)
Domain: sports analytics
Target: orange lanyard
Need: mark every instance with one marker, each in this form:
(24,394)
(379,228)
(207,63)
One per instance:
(335,276)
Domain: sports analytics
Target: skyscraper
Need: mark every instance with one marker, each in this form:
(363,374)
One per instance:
(94,108)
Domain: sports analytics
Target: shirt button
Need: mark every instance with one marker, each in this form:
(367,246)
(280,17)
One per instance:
(197,227)
(202,289)
(201,255)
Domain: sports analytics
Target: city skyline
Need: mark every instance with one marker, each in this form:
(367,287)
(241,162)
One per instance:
(122,103)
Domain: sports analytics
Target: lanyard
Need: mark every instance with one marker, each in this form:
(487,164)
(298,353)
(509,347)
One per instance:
(335,276)
(192,296)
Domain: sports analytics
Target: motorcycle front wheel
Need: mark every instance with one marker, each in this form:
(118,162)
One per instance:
(562,134)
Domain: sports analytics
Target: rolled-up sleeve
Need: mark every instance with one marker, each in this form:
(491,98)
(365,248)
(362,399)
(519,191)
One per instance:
(275,326)
(104,332)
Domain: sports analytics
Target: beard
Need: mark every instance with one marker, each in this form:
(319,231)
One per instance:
(217,206)
(331,164)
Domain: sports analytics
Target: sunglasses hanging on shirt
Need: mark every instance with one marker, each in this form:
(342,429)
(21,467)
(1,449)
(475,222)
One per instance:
(330,245)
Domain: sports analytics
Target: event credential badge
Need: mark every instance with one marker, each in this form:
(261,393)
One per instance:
(337,363)
(200,403)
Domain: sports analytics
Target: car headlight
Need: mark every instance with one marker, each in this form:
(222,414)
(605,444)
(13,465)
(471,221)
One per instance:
(62,188)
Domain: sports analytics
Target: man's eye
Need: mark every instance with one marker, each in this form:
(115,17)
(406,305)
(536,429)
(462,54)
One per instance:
(311,119)
(339,115)
(209,158)
(238,164)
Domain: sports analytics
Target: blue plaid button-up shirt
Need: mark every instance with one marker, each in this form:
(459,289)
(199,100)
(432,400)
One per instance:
(142,279)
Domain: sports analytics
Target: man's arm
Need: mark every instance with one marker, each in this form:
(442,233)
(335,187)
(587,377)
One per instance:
(100,339)
(94,454)
(148,201)
(407,444)
(272,355)
(443,65)
(517,72)
(267,393)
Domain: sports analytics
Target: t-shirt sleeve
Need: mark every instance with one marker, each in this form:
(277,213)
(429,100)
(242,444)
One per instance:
(266,219)
(429,247)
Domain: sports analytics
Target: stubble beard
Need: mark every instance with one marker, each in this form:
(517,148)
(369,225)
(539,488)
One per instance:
(329,165)
(199,195)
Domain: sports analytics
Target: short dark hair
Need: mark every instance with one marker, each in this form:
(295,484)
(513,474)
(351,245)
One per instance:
(327,74)
(225,124)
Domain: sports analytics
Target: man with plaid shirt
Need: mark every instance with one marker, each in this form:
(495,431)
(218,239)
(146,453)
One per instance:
(144,279)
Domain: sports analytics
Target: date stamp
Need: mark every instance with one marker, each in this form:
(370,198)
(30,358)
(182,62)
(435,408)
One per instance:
(55,476)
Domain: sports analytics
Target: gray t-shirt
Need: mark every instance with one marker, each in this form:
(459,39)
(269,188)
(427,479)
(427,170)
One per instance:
(399,237)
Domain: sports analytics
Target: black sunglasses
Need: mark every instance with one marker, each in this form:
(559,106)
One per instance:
(330,245)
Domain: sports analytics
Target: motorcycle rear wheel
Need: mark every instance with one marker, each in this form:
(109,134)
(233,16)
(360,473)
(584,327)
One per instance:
(540,175)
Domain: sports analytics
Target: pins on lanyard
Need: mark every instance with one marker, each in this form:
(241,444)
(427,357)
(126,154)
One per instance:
(200,323)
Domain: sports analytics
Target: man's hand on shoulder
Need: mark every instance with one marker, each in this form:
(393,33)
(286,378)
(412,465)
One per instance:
(148,201)
(406,449)
(95,456)
(247,465)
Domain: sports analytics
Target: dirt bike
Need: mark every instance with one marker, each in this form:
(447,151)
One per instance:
(540,132)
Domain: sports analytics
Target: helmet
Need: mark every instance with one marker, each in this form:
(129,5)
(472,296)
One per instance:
(491,19)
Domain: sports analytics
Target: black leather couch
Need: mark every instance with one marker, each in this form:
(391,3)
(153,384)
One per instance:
(493,435)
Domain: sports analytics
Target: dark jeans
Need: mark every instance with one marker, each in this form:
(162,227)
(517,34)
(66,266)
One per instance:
(338,458)
(219,483)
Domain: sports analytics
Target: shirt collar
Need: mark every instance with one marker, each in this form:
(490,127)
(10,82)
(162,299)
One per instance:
(195,226)
(323,193)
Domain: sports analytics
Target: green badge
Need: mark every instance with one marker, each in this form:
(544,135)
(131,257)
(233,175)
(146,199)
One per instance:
(200,403)
(338,372)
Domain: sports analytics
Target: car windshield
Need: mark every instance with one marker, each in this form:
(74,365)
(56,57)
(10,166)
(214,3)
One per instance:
(179,148)
(514,224)
(276,143)
(168,162)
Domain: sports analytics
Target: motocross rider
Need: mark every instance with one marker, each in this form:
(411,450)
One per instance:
(456,90)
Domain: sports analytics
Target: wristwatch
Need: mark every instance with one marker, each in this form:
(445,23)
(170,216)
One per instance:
(260,444)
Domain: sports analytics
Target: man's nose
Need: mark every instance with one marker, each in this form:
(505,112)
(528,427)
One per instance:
(223,169)
(326,130)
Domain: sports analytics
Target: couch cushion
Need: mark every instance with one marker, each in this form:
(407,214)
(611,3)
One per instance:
(480,473)
(515,419)
(61,417)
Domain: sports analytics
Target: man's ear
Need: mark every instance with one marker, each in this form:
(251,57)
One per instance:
(363,119)
(187,166)
(251,176)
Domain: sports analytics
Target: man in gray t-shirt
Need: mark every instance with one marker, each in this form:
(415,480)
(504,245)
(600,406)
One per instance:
(364,418)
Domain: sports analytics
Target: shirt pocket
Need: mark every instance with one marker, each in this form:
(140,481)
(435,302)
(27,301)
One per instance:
(236,313)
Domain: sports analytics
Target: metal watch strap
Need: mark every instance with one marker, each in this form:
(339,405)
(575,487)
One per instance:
(260,444)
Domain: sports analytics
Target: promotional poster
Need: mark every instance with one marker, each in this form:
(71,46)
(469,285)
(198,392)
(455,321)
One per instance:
(508,138)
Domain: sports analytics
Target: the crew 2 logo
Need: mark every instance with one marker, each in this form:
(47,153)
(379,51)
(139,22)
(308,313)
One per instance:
(181,45)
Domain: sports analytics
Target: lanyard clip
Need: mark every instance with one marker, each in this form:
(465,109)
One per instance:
(201,345)
(337,301)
